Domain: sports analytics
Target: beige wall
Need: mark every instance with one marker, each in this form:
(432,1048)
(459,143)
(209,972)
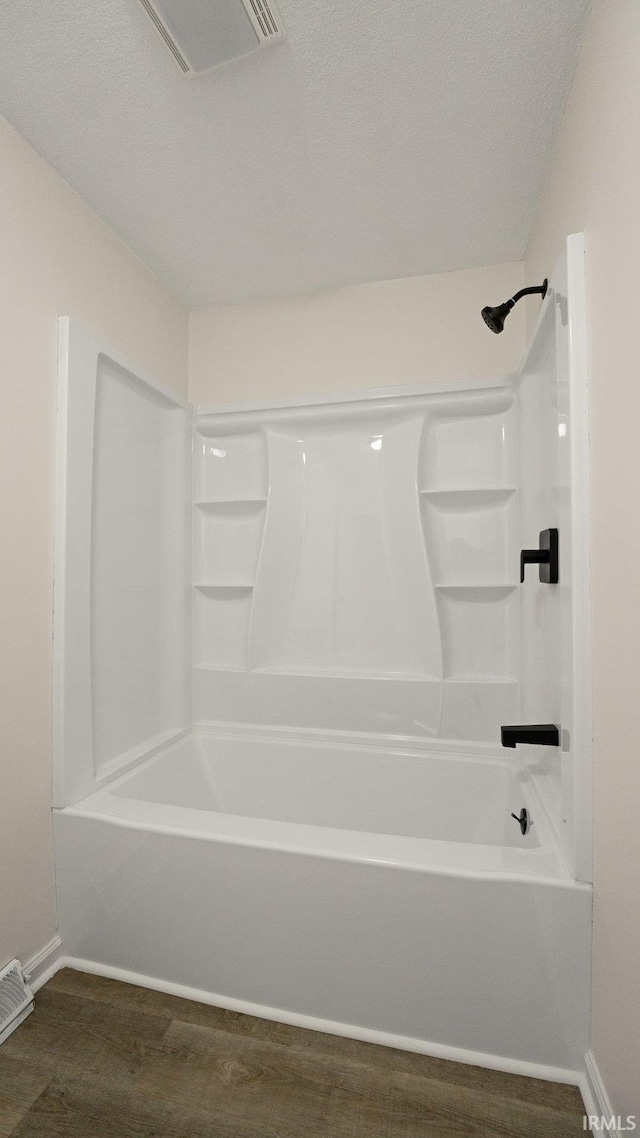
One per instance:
(409,331)
(594,185)
(57,259)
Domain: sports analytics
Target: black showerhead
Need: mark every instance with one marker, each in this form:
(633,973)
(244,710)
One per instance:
(494,318)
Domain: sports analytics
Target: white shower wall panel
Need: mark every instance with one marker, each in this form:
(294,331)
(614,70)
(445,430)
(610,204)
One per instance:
(354,591)
(122,567)
(336,703)
(354,565)
(138,569)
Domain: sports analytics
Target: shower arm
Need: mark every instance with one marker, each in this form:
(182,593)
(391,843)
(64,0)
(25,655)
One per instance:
(541,289)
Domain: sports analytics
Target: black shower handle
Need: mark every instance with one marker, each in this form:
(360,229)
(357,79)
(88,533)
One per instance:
(546,556)
(532,557)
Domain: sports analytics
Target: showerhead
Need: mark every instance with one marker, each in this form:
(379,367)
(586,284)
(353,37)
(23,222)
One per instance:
(494,318)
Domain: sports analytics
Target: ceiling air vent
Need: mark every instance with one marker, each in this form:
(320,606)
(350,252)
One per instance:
(201,34)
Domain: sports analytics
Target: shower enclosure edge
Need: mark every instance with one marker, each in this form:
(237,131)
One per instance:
(565,310)
(80,355)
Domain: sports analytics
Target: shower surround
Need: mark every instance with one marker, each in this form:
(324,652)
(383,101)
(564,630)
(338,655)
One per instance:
(321,831)
(354,565)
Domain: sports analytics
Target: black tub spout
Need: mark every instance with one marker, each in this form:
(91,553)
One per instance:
(544,734)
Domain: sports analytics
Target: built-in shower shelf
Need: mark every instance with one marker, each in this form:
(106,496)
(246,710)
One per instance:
(471,498)
(337,673)
(229,587)
(479,678)
(478,591)
(231,505)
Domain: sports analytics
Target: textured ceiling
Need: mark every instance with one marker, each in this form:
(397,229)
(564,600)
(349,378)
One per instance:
(384,138)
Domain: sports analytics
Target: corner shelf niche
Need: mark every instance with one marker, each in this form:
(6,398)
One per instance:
(468,502)
(229,467)
(470,440)
(227,538)
(472,535)
(220,625)
(479,627)
(230,499)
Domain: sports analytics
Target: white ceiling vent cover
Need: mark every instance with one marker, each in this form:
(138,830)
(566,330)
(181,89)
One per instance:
(201,34)
(16,999)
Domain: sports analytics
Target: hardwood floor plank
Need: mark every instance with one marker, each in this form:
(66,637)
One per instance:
(21,1081)
(77,1107)
(9,1119)
(67,1033)
(306,1093)
(555,1096)
(243,1079)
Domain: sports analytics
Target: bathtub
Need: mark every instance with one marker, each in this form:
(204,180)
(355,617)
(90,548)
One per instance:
(379,892)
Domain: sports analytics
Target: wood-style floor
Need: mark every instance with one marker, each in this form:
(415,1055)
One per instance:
(101,1059)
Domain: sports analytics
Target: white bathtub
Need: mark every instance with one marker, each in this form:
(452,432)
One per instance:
(385,894)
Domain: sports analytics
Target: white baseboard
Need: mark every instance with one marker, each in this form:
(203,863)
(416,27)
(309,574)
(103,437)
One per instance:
(367,1035)
(44,964)
(594,1094)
